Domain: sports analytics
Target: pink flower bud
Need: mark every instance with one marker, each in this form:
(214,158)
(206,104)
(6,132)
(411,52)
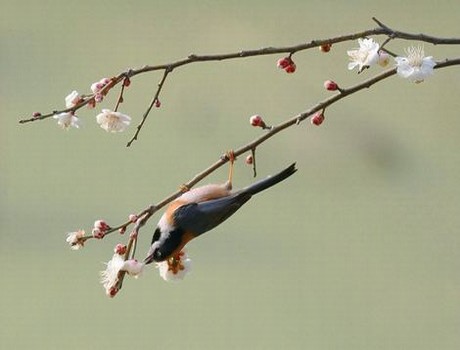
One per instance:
(256,120)
(96,87)
(291,68)
(284,62)
(249,159)
(91,103)
(101,225)
(120,249)
(122,230)
(317,119)
(330,85)
(157,103)
(98,98)
(104,81)
(126,82)
(325,48)
(112,292)
(287,64)
(36,114)
(133,218)
(133,235)
(98,234)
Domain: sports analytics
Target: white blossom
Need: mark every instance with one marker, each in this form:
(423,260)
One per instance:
(364,57)
(72,99)
(415,66)
(113,121)
(133,267)
(175,269)
(75,239)
(67,120)
(109,277)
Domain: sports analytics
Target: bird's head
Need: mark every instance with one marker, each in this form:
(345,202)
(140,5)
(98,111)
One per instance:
(165,243)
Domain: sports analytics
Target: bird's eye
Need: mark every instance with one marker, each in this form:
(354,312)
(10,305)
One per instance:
(157,255)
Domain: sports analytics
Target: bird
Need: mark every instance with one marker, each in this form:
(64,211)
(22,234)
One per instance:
(200,210)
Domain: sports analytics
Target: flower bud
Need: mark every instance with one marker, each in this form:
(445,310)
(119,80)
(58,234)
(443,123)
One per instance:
(98,234)
(104,81)
(91,103)
(133,218)
(101,225)
(157,103)
(126,82)
(36,114)
(98,97)
(256,120)
(95,87)
(284,62)
(112,292)
(317,119)
(330,85)
(325,48)
(249,159)
(384,58)
(291,68)
(120,249)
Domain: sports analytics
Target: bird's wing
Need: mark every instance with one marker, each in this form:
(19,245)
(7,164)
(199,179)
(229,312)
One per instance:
(199,218)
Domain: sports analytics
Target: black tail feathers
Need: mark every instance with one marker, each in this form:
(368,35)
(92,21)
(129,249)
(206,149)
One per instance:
(270,181)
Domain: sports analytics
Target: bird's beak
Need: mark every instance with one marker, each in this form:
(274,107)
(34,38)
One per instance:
(148,259)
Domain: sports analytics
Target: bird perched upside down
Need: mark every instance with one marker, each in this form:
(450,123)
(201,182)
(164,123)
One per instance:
(200,210)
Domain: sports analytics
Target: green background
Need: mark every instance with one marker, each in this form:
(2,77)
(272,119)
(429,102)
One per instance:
(358,250)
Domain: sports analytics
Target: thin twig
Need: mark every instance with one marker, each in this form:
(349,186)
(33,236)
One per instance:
(152,103)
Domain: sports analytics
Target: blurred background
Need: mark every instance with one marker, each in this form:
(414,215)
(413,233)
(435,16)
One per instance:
(358,250)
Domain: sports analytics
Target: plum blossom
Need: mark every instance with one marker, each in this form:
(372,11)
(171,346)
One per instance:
(113,121)
(364,57)
(415,66)
(175,268)
(133,267)
(75,239)
(67,120)
(109,277)
(72,99)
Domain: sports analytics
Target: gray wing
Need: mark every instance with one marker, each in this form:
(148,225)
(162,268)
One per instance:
(199,218)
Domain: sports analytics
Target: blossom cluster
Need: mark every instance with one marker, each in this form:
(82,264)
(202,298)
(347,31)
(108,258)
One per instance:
(110,121)
(415,66)
(172,269)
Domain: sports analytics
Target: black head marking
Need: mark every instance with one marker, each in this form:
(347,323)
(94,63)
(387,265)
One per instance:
(169,245)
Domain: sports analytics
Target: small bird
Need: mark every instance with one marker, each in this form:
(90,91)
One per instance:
(200,210)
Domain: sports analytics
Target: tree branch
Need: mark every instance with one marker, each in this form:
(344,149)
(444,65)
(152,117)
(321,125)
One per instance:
(382,29)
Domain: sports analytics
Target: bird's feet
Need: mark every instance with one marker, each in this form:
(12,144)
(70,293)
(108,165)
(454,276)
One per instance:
(230,156)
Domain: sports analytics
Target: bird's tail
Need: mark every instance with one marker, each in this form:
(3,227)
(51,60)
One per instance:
(270,181)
